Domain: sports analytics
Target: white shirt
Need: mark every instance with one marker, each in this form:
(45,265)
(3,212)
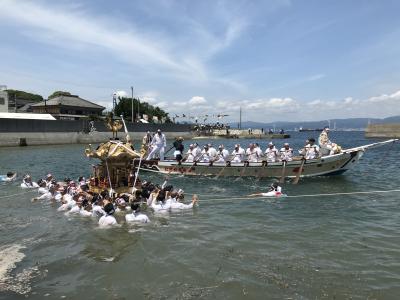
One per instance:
(238,155)
(190,155)
(180,206)
(222,156)
(160,207)
(312,151)
(97,211)
(272,154)
(286,154)
(74,210)
(137,217)
(159,140)
(42,190)
(251,155)
(46,196)
(83,212)
(197,152)
(29,185)
(205,155)
(259,151)
(212,152)
(107,220)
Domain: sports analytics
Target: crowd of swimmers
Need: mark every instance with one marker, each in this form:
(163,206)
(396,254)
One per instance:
(155,145)
(74,198)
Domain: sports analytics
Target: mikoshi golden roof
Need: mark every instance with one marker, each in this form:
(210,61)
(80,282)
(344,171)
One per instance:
(113,150)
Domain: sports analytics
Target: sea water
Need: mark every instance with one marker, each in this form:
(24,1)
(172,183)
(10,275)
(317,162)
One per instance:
(326,247)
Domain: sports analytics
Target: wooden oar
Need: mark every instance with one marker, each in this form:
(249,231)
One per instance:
(296,180)
(282,179)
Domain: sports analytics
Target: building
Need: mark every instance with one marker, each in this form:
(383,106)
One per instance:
(3,99)
(68,107)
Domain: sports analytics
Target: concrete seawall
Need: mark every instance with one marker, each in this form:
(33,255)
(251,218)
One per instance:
(383,131)
(9,139)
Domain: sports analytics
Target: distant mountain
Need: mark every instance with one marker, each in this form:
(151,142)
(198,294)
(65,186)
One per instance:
(340,124)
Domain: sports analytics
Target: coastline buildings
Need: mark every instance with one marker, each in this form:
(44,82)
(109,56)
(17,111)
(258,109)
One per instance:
(3,99)
(68,107)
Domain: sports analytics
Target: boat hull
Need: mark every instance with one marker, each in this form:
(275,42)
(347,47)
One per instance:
(325,166)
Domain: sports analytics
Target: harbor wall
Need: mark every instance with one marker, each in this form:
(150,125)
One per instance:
(43,132)
(383,131)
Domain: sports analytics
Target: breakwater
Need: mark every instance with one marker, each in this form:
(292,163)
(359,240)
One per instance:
(382,131)
(14,132)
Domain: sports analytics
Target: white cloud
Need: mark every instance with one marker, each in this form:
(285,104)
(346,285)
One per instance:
(197,101)
(384,98)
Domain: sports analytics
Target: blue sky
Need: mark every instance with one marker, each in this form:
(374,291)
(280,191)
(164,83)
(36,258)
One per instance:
(277,59)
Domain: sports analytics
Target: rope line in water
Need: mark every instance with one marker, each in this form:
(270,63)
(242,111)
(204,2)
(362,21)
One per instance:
(294,196)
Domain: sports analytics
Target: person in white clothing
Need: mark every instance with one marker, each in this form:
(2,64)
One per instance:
(205,154)
(325,144)
(108,220)
(158,143)
(238,154)
(190,154)
(258,150)
(286,153)
(222,154)
(177,205)
(97,209)
(274,191)
(271,153)
(212,152)
(251,153)
(27,183)
(311,150)
(197,151)
(136,215)
(10,176)
(160,205)
(42,187)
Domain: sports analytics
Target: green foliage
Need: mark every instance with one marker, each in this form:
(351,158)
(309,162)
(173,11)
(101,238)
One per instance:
(24,95)
(59,93)
(124,107)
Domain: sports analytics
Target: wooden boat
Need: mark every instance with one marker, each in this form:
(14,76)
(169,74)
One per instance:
(324,166)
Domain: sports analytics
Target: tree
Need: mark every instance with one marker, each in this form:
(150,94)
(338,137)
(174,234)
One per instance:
(59,93)
(124,107)
(24,95)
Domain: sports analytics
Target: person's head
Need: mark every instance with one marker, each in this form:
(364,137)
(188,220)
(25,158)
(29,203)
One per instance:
(109,209)
(191,146)
(221,147)
(174,194)
(159,131)
(209,145)
(180,139)
(311,141)
(10,174)
(27,177)
(135,207)
(251,145)
(326,128)
(49,177)
(237,146)
(286,145)
(205,147)
(271,145)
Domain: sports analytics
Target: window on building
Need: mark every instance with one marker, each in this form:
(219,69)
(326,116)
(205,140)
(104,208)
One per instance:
(2,101)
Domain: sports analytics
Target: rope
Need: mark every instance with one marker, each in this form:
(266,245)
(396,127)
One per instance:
(295,196)
(12,195)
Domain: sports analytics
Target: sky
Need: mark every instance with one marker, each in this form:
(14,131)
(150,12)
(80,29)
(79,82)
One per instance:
(278,59)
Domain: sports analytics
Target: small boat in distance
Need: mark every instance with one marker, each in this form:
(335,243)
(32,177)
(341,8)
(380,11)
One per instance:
(301,129)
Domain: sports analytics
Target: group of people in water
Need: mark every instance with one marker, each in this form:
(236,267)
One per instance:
(155,145)
(74,198)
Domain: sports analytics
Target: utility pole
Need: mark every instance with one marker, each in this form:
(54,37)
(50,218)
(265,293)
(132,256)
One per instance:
(132,102)
(240,117)
(138,109)
(15,101)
